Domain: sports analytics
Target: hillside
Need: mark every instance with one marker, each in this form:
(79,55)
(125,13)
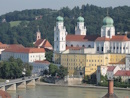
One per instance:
(21,26)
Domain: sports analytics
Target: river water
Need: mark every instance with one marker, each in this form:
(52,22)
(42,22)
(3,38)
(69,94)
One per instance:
(64,92)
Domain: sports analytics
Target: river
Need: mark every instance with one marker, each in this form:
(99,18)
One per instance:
(41,91)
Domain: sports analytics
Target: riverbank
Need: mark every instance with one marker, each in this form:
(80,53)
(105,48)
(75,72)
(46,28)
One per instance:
(80,86)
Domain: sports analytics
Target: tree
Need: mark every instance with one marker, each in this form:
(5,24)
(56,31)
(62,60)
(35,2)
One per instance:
(49,56)
(86,79)
(53,69)
(62,72)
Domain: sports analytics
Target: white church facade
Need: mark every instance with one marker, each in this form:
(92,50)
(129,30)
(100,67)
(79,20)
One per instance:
(108,42)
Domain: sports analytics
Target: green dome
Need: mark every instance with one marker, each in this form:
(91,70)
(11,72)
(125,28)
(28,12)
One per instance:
(80,19)
(60,19)
(108,21)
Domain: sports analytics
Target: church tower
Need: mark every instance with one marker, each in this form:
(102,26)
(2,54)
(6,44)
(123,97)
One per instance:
(38,35)
(80,29)
(108,29)
(59,35)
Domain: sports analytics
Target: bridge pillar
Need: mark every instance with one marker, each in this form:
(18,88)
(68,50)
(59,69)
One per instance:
(2,88)
(22,85)
(31,83)
(12,87)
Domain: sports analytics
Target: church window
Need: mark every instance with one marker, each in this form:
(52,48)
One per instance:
(108,33)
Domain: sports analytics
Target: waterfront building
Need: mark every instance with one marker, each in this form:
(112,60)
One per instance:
(40,66)
(124,75)
(111,71)
(128,62)
(25,54)
(42,43)
(71,50)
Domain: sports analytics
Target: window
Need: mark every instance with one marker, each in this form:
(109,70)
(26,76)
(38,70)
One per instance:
(114,48)
(102,48)
(83,46)
(97,48)
(108,33)
(71,45)
(57,38)
(89,46)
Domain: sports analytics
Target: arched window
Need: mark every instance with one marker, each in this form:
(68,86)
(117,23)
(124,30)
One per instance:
(89,46)
(108,33)
(83,45)
(71,45)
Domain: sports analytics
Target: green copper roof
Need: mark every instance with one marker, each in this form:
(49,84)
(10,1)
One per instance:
(108,21)
(80,19)
(60,19)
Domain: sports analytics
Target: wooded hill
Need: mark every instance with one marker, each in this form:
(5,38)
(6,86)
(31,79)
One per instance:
(21,26)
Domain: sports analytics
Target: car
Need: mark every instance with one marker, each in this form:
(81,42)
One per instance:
(7,81)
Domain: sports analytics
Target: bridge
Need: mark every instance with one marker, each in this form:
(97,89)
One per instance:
(18,83)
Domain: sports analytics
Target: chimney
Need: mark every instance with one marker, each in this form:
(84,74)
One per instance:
(110,93)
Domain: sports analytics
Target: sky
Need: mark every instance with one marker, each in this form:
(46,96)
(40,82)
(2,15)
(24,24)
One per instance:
(13,5)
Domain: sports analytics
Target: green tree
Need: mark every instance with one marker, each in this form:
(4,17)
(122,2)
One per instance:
(49,56)
(53,69)
(62,71)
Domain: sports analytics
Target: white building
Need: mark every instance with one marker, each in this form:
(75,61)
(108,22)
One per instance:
(121,65)
(111,71)
(128,62)
(40,66)
(25,54)
(125,75)
(108,42)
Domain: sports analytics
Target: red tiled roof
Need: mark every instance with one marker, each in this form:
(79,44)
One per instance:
(74,48)
(25,50)
(122,73)
(0,43)
(120,38)
(45,61)
(114,38)
(47,44)
(102,39)
(38,42)
(4,94)
(5,46)
(80,38)
(111,68)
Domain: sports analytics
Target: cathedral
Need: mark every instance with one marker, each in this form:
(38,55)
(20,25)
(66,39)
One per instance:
(108,42)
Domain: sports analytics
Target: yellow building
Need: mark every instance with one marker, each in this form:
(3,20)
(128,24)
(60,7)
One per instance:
(57,58)
(74,62)
(117,58)
(94,60)
(85,63)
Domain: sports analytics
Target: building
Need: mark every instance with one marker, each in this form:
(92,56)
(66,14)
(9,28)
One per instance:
(111,71)
(128,62)
(6,46)
(42,43)
(94,50)
(121,65)
(25,54)
(124,74)
(40,66)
